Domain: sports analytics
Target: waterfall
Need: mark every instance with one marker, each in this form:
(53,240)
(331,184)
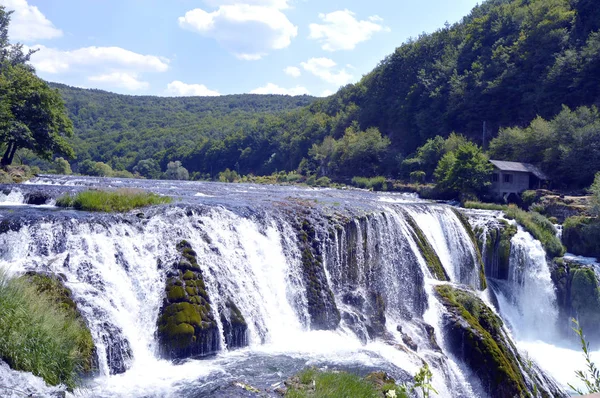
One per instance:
(528,299)
(325,278)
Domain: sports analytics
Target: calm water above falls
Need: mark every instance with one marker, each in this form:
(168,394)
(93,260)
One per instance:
(246,239)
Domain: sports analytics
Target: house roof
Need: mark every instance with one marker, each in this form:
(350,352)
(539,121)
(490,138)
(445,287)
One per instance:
(519,167)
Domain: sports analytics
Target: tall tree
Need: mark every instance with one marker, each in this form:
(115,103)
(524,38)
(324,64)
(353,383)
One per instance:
(32,115)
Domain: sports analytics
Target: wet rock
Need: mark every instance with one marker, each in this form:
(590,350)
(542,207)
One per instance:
(186,325)
(37,198)
(474,334)
(409,342)
(235,328)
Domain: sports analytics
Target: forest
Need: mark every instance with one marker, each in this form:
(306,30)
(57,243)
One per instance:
(511,69)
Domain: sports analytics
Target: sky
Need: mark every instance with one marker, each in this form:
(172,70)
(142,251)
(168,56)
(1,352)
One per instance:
(219,47)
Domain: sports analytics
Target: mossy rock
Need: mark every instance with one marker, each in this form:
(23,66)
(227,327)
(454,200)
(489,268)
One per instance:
(474,334)
(53,287)
(431,258)
(186,324)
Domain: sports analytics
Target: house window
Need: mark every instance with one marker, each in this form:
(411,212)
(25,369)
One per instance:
(508,178)
(495,177)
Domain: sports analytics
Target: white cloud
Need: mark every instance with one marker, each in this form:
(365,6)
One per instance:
(50,60)
(181,89)
(128,81)
(250,31)
(278,4)
(292,71)
(323,68)
(28,23)
(271,88)
(342,31)
(326,93)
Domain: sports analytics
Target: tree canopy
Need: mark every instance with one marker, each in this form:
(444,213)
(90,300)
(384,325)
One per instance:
(32,115)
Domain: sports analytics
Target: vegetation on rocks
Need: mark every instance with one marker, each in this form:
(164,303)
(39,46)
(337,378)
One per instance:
(495,247)
(431,258)
(186,324)
(41,331)
(540,227)
(479,260)
(119,200)
(314,383)
(581,235)
(475,335)
(585,300)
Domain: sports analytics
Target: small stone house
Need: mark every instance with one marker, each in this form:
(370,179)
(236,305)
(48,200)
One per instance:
(512,178)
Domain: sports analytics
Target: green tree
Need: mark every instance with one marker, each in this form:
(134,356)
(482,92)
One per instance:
(62,166)
(595,191)
(148,168)
(175,171)
(99,169)
(32,115)
(465,171)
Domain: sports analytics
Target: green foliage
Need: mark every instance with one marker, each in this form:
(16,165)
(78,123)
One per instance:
(175,171)
(375,183)
(98,169)
(581,235)
(595,191)
(37,335)
(529,198)
(62,166)
(423,382)
(566,147)
(591,375)
(120,200)
(228,176)
(417,177)
(357,152)
(465,170)
(484,206)
(148,168)
(313,383)
(540,227)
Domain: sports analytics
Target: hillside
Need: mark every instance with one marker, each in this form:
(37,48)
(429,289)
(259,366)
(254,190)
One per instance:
(503,64)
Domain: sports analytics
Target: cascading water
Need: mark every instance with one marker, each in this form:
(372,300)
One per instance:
(528,299)
(253,246)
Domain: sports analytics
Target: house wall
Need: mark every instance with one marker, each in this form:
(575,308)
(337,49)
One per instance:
(519,182)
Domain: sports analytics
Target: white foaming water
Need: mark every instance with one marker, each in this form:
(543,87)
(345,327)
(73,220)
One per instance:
(13,198)
(529,303)
(451,242)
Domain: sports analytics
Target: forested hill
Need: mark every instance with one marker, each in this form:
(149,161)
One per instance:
(505,63)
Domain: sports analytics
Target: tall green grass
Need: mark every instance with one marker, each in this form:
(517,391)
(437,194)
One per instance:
(314,383)
(375,183)
(540,227)
(484,206)
(38,336)
(119,200)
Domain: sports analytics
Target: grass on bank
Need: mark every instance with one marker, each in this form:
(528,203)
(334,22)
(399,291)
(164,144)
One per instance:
(540,227)
(314,383)
(37,336)
(484,206)
(119,200)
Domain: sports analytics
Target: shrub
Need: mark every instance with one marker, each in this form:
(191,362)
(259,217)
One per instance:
(119,200)
(417,177)
(375,183)
(484,206)
(581,235)
(540,227)
(529,198)
(37,336)
(323,182)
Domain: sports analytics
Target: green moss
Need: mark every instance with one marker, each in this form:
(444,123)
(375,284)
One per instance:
(431,258)
(467,226)
(485,348)
(176,293)
(540,227)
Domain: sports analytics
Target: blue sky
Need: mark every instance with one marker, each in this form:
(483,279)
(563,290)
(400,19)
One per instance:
(217,47)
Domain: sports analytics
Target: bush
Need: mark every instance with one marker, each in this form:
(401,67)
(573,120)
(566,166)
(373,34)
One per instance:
(581,235)
(484,206)
(119,200)
(529,198)
(375,183)
(417,177)
(323,182)
(540,227)
(37,336)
